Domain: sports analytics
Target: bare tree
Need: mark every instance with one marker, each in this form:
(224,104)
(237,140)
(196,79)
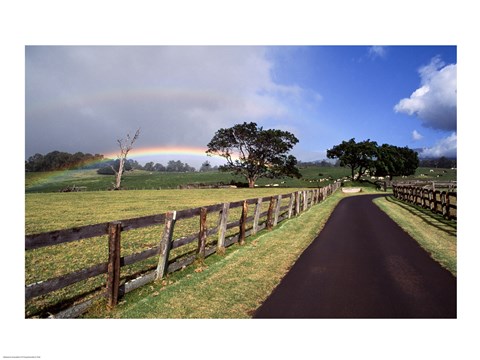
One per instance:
(125,145)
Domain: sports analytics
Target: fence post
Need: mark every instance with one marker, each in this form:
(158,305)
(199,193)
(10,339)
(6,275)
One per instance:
(290,205)
(297,203)
(256,217)
(277,210)
(166,244)
(435,202)
(113,274)
(270,213)
(243,222)
(222,228)
(447,205)
(305,200)
(444,203)
(431,203)
(202,234)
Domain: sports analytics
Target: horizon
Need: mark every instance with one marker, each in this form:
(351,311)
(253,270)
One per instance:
(112,157)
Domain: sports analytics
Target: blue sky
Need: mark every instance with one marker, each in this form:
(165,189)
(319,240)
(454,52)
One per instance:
(83,98)
(359,87)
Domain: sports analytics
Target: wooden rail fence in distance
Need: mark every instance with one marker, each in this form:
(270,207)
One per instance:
(440,202)
(114,288)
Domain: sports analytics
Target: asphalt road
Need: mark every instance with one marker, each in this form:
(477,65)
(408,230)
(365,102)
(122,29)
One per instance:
(363,265)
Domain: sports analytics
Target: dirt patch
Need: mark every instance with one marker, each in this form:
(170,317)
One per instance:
(351,190)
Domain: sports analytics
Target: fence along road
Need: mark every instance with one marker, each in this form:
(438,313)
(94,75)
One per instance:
(114,287)
(440,202)
(363,265)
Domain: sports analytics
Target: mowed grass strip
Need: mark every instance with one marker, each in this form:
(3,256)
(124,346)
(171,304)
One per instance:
(229,286)
(435,234)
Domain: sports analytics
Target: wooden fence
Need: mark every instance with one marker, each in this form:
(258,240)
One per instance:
(440,202)
(115,286)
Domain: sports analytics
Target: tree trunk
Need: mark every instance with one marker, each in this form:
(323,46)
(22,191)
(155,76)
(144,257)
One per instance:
(251,183)
(119,174)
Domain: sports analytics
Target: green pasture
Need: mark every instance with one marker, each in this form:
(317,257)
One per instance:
(55,211)
(145,180)
(313,176)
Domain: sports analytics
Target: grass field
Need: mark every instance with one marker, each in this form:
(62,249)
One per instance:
(139,179)
(54,211)
(144,180)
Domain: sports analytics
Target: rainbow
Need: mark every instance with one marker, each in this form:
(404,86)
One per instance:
(164,150)
(136,153)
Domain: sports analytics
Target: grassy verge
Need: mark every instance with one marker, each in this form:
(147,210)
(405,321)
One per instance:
(229,286)
(435,234)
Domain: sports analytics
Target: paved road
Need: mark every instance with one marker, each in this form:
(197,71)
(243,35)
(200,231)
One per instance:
(362,265)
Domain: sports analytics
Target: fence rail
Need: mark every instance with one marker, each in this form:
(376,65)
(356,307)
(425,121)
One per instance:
(440,202)
(115,286)
(427,184)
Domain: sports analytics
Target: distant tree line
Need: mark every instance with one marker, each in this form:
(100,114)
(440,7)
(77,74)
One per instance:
(172,166)
(58,160)
(442,163)
(321,163)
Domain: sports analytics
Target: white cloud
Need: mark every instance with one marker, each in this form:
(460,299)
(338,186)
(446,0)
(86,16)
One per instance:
(416,135)
(377,51)
(435,101)
(445,147)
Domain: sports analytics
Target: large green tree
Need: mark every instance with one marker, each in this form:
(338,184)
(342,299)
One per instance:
(395,161)
(254,152)
(384,160)
(359,157)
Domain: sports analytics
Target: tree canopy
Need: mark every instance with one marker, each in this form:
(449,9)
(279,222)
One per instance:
(384,160)
(395,161)
(254,152)
(359,157)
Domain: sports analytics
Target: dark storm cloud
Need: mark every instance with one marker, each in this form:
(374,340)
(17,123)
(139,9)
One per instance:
(84,98)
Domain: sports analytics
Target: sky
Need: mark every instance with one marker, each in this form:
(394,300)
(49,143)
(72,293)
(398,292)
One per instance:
(84,98)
